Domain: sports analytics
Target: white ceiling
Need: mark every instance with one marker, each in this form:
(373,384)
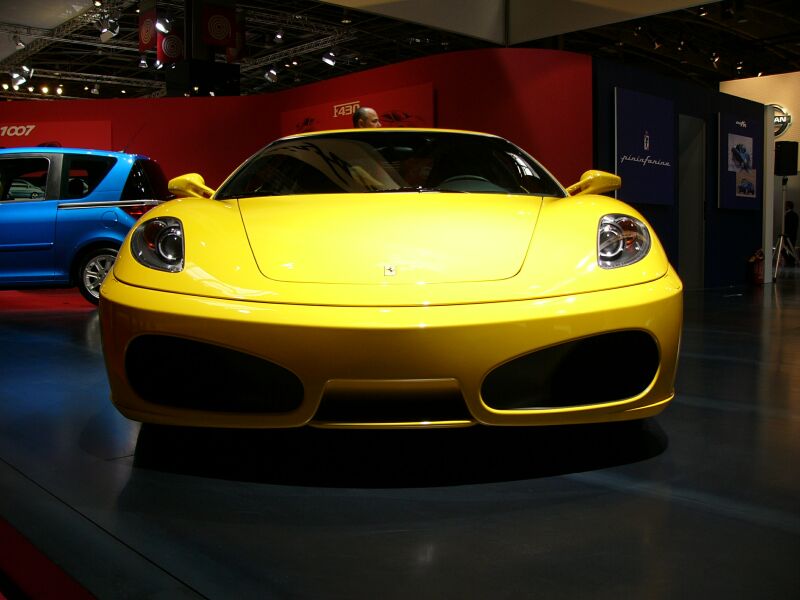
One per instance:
(482,19)
(526,20)
(45,14)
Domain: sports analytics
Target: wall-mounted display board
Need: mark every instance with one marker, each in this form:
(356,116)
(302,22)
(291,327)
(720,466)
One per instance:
(740,150)
(645,147)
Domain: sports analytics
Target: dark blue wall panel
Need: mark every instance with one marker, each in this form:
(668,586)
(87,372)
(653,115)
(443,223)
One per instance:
(731,235)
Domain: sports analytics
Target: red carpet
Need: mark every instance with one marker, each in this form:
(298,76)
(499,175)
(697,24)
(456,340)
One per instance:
(31,573)
(60,300)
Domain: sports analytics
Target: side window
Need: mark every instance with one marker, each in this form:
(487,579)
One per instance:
(23,178)
(82,174)
(146,181)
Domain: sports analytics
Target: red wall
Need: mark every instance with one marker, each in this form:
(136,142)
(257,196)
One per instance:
(538,99)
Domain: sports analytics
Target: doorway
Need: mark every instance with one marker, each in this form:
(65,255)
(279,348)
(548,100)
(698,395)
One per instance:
(691,200)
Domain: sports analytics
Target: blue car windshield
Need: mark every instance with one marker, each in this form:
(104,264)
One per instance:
(390,161)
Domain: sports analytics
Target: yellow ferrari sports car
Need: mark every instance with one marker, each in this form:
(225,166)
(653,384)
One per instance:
(391,278)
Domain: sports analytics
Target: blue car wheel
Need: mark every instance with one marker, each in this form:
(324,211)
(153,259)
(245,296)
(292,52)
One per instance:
(92,270)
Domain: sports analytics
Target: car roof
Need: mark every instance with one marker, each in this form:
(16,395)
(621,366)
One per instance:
(60,150)
(371,130)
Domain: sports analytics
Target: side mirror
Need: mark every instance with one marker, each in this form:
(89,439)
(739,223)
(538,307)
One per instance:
(595,182)
(191,185)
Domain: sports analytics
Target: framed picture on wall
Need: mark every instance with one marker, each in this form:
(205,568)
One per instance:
(740,151)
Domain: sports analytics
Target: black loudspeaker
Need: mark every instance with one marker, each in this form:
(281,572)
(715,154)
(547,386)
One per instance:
(206,76)
(786,158)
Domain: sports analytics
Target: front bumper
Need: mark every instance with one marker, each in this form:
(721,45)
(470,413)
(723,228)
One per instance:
(366,352)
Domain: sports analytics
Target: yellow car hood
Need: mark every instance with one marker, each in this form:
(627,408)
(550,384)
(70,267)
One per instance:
(340,250)
(390,238)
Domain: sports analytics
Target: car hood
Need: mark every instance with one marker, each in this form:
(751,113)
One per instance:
(386,239)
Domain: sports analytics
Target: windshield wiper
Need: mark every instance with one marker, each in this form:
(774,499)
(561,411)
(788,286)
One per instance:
(247,195)
(411,188)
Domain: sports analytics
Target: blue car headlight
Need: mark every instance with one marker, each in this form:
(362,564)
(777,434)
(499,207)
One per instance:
(158,244)
(621,240)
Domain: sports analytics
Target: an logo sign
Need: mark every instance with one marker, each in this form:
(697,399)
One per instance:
(347,109)
(782,119)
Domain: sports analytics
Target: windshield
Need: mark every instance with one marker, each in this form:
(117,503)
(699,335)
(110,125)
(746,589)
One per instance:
(390,161)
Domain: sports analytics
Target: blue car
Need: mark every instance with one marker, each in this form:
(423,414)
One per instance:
(64,213)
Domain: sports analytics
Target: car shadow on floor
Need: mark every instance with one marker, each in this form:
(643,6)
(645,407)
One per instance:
(395,458)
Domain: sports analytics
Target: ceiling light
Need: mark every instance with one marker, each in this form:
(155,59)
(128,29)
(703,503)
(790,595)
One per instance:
(346,20)
(18,42)
(329,58)
(15,87)
(45,89)
(158,64)
(715,60)
(123,91)
(98,3)
(164,24)
(95,91)
(278,36)
(272,75)
(59,90)
(703,11)
(30,88)
(5,86)
(143,62)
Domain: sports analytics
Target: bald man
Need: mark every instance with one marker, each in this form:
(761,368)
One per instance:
(365,117)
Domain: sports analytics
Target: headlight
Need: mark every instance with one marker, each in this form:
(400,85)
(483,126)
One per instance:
(621,240)
(158,244)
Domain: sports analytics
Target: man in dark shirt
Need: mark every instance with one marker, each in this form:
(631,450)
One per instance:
(790,223)
(365,117)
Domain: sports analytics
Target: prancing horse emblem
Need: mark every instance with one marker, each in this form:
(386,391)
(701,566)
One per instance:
(389,271)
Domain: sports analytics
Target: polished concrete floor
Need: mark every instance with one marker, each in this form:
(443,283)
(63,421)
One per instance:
(700,502)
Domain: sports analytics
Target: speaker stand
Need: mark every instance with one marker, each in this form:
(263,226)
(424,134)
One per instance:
(783,245)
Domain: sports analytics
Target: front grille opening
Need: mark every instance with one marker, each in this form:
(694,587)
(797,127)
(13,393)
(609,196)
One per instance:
(390,406)
(208,377)
(595,370)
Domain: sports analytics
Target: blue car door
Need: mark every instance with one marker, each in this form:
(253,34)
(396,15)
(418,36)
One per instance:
(27,218)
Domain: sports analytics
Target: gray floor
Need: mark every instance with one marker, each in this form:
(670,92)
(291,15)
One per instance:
(701,502)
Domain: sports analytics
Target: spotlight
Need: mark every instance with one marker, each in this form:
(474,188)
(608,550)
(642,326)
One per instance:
(95,91)
(98,3)
(715,60)
(329,58)
(18,42)
(703,12)
(164,24)
(108,29)
(59,90)
(30,89)
(272,75)
(158,64)
(5,86)
(278,36)
(45,89)
(143,62)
